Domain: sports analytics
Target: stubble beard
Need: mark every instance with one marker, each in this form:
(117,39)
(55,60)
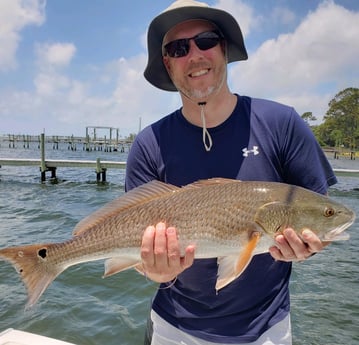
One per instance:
(199,94)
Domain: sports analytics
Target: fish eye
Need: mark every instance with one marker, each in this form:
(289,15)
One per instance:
(329,212)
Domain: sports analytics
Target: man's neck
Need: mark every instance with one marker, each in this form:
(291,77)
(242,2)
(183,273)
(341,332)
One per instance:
(217,109)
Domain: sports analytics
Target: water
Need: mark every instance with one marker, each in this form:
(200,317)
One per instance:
(83,308)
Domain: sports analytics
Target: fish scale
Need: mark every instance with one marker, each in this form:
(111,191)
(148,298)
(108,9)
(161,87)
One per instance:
(225,219)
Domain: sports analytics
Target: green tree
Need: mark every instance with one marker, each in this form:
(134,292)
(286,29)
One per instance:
(131,137)
(337,135)
(341,122)
(308,116)
(343,117)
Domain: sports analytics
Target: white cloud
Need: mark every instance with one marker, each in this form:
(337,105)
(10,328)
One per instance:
(62,104)
(320,52)
(55,54)
(47,84)
(242,12)
(14,16)
(77,92)
(306,101)
(51,58)
(283,15)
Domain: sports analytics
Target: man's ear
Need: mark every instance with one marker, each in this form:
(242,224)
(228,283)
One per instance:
(224,49)
(166,62)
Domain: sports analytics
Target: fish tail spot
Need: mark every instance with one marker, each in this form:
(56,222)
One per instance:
(42,253)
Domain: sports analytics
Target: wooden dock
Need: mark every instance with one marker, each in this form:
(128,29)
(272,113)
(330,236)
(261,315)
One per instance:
(50,165)
(73,143)
(342,153)
(100,167)
(347,172)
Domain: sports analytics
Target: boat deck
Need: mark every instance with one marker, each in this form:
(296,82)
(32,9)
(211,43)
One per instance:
(15,337)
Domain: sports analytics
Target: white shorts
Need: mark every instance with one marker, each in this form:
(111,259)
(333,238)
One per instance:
(166,334)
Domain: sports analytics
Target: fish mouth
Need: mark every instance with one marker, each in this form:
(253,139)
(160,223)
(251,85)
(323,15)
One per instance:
(338,234)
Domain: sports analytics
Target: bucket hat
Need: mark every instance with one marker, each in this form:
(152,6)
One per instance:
(180,11)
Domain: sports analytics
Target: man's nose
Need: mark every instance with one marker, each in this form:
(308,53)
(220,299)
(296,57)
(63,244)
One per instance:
(194,51)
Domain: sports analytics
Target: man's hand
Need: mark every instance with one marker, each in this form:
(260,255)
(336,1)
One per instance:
(160,253)
(290,247)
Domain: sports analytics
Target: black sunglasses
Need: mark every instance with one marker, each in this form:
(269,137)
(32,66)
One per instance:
(204,41)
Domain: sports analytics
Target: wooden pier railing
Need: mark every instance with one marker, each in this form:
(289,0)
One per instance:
(50,165)
(73,142)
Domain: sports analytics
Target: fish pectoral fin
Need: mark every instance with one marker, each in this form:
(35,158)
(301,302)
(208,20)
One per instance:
(270,215)
(118,264)
(231,267)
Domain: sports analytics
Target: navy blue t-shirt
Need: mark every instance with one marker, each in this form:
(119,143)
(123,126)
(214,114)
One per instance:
(260,141)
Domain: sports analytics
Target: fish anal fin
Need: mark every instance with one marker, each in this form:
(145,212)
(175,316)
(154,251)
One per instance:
(139,268)
(119,264)
(32,264)
(231,267)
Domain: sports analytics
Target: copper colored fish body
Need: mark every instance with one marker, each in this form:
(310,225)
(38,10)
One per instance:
(225,219)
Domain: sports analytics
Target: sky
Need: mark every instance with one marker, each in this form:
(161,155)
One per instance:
(68,64)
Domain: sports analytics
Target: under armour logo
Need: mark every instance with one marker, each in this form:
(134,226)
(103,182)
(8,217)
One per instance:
(246,152)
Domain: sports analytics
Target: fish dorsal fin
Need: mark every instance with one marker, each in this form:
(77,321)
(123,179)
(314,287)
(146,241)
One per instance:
(144,193)
(210,182)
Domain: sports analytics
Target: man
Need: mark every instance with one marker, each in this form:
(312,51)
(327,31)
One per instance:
(218,134)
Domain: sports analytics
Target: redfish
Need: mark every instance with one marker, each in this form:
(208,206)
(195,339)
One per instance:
(226,219)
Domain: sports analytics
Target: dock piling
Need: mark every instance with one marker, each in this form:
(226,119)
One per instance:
(100,172)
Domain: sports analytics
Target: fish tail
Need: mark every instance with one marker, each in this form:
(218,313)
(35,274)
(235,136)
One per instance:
(32,264)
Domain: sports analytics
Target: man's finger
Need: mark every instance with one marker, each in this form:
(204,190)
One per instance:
(173,249)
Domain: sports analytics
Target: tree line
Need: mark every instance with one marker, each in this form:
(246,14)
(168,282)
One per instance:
(340,127)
